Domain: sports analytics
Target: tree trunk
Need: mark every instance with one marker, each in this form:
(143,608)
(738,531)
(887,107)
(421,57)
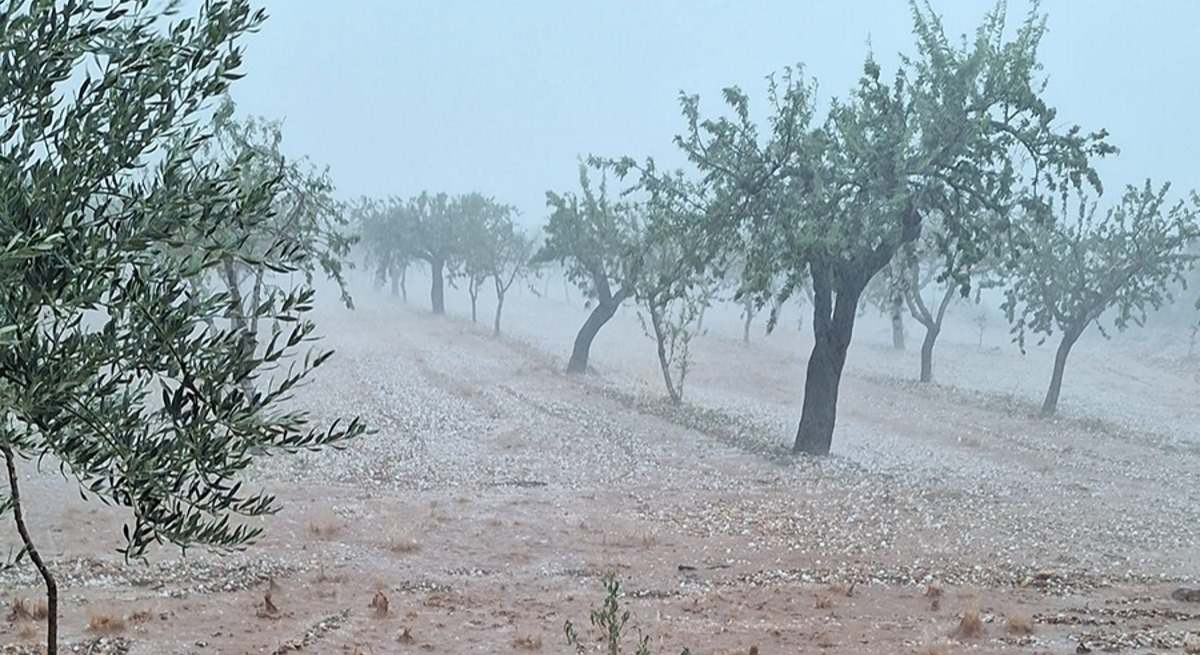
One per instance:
(664,363)
(700,318)
(583,341)
(931,335)
(833,326)
(898,322)
(237,317)
(748,316)
(473,291)
(256,300)
(437,291)
(499,308)
(395,285)
(14,493)
(404,284)
(1050,405)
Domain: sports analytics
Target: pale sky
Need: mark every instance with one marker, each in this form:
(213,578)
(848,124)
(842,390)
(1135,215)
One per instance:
(502,97)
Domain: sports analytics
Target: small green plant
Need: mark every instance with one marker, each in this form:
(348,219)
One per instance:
(611,621)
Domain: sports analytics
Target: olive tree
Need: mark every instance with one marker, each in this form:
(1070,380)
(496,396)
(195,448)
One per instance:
(1074,270)
(598,241)
(110,368)
(385,233)
(304,226)
(959,129)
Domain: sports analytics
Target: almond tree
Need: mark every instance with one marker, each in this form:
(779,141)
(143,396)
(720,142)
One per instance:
(386,233)
(598,241)
(960,129)
(112,369)
(514,250)
(1084,265)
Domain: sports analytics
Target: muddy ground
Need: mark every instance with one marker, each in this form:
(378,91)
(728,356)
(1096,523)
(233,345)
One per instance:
(497,492)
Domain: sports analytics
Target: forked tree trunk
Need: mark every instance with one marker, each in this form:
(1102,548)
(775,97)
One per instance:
(833,327)
(437,292)
(675,393)
(14,499)
(1050,405)
(583,341)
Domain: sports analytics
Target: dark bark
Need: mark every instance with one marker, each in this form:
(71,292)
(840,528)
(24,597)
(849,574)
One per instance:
(437,291)
(600,315)
(14,492)
(499,309)
(931,335)
(833,327)
(1050,405)
(932,323)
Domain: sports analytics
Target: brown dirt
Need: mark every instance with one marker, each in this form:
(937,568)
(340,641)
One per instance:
(498,491)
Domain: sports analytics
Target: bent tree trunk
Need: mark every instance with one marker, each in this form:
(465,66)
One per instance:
(437,292)
(673,392)
(1050,405)
(931,335)
(833,327)
(583,341)
(499,308)
(14,499)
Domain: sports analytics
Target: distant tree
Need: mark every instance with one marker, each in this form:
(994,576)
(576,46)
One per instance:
(512,262)
(598,241)
(436,221)
(1074,270)
(305,226)
(386,233)
(887,292)
(483,224)
(961,128)
(111,368)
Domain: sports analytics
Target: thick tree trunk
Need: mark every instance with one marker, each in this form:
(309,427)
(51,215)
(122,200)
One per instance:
(1050,405)
(14,497)
(898,322)
(833,327)
(931,335)
(583,341)
(499,309)
(437,292)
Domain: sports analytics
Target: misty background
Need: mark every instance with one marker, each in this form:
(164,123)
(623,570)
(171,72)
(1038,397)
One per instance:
(503,98)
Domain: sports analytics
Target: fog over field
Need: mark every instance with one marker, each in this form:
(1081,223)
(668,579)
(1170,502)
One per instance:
(609,327)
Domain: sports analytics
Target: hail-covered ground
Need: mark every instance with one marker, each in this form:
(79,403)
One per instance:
(496,493)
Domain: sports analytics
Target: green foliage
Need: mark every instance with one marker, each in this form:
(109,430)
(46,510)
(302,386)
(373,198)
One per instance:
(304,231)
(110,366)
(1080,266)
(612,623)
(598,240)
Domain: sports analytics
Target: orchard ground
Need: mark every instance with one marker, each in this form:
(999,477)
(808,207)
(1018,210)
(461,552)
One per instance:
(498,491)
